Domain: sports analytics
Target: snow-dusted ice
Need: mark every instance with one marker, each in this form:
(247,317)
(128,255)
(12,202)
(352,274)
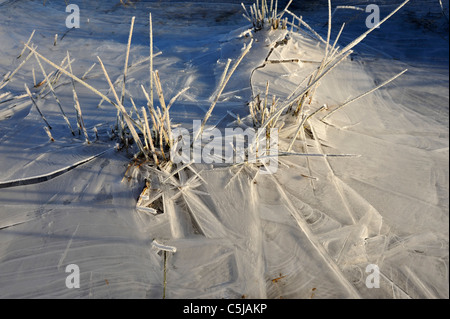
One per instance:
(317,228)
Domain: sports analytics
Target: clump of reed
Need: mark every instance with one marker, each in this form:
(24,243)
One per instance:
(264,15)
(145,129)
(266,114)
(152,137)
(37,92)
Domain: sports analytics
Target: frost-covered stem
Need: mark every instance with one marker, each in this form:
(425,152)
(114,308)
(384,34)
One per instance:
(300,126)
(54,76)
(152,110)
(307,26)
(364,94)
(329,31)
(125,69)
(165,274)
(54,94)
(224,73)
(275,9)
(135,109)
(151,62)
(301,83)
(247,15)
(364,35)
(282,12)
(90,87)
(165,118)
(333,49)
(9,77)
(37,107)
(28,42)
(80,116)
(49,134)
(229,74)
(34,77)
(176,97)
(75,98)
(89,70)
(286,104)
(149,136)
(311,93)
(342,58)
(123,111)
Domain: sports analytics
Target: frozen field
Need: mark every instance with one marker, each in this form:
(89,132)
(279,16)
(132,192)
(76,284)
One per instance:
(308,231)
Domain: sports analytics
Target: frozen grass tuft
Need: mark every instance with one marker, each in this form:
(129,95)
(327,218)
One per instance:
(263,15)
(266,113)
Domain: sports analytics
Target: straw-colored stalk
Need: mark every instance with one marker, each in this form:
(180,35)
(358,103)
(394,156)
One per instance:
(54,77)
(11,75)
(166,117)
(34,77)
(125,70)
(37,107)
(148,137)
(364,94)
(49,134)
(295,97)
(227,78)
(28,42)
(364,35)
(75,98)
(310,94)
(260,13)
(150,100)
(62,70)
(120,107)
(300,126)
(54,94)
(152,110)
(81,125)
(307,26)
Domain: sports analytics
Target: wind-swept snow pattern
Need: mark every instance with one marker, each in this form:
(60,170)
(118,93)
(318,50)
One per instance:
(358,204)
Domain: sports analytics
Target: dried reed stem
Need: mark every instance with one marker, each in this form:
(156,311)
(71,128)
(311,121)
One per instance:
(9,77)
(37,107)
(227,78)
(125,69)
(150,100)
(300,126)
(165,118)
(149,137)
(364,94)
(80,116)
(364,35)
(49,134)
(54,95)
(28,42)
(120,107)
(88,86)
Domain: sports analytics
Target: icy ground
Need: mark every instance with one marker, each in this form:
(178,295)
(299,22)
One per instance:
(309,231)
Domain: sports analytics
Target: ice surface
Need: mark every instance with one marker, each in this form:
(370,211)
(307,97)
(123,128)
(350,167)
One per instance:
(308,231)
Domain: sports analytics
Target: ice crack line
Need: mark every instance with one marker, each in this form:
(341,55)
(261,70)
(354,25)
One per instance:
(49,176)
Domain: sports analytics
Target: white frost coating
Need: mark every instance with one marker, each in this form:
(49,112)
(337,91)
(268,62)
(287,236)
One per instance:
(159,246)
(264,236)
(143,209)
